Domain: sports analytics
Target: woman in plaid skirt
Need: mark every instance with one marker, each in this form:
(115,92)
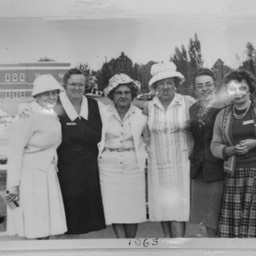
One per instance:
(234,140)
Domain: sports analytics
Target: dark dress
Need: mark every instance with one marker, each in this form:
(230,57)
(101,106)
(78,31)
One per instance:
(206,170)
(78,171)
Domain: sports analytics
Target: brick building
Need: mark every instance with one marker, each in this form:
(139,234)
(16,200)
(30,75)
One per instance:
(16,80)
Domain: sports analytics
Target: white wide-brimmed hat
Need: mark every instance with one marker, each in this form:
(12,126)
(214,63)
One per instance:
(160,71)
(118,79)
(44,83)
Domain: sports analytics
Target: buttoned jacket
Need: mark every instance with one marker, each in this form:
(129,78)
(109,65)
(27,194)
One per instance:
(138,123)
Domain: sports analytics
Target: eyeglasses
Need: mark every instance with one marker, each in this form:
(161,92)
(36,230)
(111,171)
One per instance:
(76,84)
(126,93)
(201,87)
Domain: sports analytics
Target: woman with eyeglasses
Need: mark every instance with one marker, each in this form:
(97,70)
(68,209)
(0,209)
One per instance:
(122,158)
(206,171)
(77,156)
(78,168)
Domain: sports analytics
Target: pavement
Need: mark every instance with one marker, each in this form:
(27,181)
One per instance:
(145,230)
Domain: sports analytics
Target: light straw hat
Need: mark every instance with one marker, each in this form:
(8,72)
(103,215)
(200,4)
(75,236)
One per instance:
(118,79)
(44,83)
(160,71)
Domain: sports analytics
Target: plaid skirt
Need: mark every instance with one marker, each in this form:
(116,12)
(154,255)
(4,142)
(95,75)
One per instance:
(238,209)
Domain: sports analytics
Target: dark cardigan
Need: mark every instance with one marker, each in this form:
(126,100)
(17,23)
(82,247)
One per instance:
(203,165)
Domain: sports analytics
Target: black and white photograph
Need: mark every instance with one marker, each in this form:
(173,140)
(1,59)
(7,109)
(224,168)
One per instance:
(127,125)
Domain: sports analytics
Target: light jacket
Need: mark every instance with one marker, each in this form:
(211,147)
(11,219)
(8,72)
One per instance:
(32,144)
(138,123)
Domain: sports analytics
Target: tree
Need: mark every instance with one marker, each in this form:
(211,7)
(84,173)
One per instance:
(194,51)
(142,74)
(250,62)
(180,58)
(84,67)
(220,70)
(122,64)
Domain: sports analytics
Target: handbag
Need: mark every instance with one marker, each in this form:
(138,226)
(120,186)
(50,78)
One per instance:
(229,165)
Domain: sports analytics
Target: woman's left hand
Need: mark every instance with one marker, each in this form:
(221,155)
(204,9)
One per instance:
(248,144)
(12,194)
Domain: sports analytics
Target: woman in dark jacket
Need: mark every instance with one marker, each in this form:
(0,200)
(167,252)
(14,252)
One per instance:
(206,170)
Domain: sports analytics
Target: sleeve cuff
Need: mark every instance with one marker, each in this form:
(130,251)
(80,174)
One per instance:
(224,154)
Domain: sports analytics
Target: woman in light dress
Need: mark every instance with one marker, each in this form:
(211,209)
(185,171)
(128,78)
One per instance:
(122,158)
(170,144)
(32,179)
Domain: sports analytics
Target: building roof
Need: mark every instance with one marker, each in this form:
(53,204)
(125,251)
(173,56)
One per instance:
(47,65)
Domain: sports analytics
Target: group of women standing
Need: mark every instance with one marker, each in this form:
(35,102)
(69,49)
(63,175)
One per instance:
(102,157)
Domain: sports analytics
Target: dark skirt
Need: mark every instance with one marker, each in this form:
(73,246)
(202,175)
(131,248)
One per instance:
(205,202)
(238,210)
(80,186)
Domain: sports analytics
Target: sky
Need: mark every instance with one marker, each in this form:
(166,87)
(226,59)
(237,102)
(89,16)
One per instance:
(92,31)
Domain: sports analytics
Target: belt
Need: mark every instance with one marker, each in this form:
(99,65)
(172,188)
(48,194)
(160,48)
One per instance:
(119,149)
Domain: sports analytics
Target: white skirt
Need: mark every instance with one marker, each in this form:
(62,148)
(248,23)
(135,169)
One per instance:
(123,188)
(41,212)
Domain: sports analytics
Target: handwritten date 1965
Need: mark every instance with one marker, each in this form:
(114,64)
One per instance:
(146,242)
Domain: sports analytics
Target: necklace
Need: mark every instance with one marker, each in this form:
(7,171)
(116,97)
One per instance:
(241,115)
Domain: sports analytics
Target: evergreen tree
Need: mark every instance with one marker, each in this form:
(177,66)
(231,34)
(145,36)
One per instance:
(220,70)
(250,62)
(194,51)
(180,58)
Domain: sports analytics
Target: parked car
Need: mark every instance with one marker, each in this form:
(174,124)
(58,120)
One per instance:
(95,94)
(146,96)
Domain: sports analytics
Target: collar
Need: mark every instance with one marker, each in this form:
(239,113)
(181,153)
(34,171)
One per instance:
(112,109)
(175,101)
(70,110)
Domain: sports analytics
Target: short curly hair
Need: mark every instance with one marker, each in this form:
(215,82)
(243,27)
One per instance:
(69,73)
(203,72)
(134,90)
(239,75)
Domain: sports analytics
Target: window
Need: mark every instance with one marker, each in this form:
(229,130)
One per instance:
(14,94)
(22,77)
(14,77)
(22,94)
(7,77)
(7,95)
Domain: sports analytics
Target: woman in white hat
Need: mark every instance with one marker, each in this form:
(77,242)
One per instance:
(122,158)
(32,181)
(168,172)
